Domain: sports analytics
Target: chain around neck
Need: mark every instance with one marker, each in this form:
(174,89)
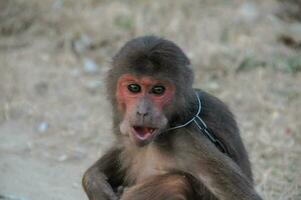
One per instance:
(198,121)
(192,119)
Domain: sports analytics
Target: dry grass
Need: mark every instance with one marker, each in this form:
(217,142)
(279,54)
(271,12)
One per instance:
(235,54)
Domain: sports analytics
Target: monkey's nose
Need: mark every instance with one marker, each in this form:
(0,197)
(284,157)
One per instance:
(141,113)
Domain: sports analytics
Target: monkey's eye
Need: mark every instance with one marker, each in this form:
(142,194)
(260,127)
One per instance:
(134,88)
(158,90)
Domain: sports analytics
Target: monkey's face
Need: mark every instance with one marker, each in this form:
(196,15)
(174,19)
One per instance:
(142,101)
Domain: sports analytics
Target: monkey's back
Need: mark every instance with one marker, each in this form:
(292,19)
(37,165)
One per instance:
(222,122)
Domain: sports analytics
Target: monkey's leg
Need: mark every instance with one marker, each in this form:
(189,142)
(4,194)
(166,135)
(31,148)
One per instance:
(163,187)
(99,180)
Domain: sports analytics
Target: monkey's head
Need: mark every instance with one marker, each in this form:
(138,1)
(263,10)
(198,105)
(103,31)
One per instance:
(150,87)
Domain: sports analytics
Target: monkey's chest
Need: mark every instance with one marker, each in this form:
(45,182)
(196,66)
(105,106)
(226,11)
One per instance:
(149,164)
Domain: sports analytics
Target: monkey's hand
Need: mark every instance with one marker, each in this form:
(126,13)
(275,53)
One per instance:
(98,179)
(97,187)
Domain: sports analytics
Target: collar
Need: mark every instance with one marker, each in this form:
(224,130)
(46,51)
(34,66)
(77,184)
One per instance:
(202,126)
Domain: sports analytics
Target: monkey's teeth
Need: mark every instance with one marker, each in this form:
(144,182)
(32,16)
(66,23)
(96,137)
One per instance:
(143,132)
(151,130)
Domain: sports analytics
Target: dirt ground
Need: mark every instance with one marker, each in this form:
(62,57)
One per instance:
(54,117)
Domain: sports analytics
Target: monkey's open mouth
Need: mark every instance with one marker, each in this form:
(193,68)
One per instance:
(143,133)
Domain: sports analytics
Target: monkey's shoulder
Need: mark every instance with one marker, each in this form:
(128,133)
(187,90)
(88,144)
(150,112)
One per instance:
(215,112)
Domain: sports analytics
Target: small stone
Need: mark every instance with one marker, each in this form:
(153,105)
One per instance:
(43,127)
(90,66)
(275,115)
(249,11)
(75,185)
(212,86)
(62,158)
(93,84)
(75,72)
(12,197)
(41,88)
(58,4)
(81,44)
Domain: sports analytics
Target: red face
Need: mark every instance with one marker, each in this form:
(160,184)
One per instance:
(142,100)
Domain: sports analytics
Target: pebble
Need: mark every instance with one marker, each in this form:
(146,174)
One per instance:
(12,197)
(249,11)
(75,72)
(90,66)
(82,43)
(76,185)
(43,127)
(93,84)
(62,158)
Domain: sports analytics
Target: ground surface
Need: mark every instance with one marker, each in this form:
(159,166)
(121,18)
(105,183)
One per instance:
(54,117)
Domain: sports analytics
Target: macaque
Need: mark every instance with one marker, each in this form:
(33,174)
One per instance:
(173,142)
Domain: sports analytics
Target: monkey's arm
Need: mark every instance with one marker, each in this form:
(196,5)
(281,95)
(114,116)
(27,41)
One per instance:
(100,179)
(217,172)
(226,176)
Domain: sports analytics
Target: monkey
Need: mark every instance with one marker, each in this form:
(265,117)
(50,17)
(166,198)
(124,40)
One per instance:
(173,142)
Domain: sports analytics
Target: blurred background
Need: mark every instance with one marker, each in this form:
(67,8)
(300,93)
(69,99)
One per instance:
(54,116)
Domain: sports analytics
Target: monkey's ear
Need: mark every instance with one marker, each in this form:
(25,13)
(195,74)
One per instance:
(188,75)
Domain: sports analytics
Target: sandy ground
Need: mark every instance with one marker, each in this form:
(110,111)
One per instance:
(54,117)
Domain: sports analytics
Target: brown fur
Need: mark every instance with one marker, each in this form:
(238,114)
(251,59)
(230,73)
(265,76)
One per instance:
(179,164)
(144,163)
(168,186)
